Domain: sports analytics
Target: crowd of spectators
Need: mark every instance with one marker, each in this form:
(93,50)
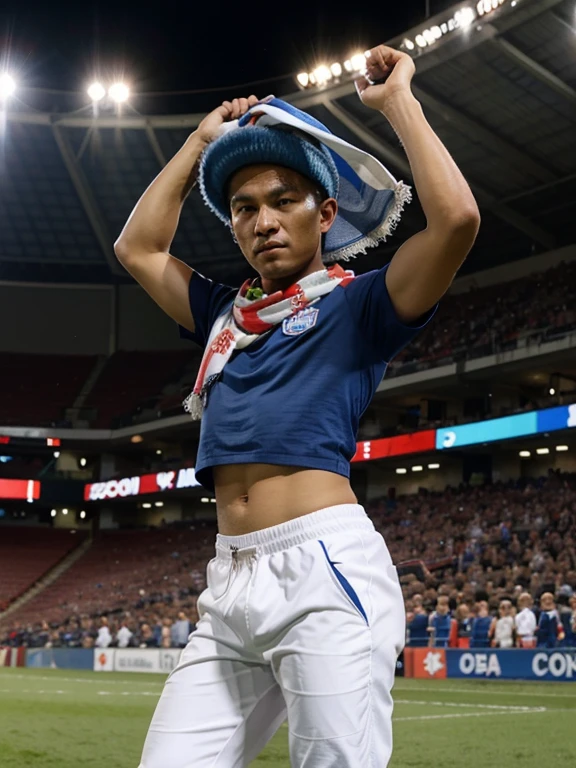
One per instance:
(531,310)
(485,553)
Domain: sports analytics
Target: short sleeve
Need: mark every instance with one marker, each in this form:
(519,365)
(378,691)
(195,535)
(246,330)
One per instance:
(371,306)
(208,300)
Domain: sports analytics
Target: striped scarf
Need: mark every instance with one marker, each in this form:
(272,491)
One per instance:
(248,319)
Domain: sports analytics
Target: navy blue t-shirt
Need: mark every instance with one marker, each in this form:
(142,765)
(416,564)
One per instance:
(295,396)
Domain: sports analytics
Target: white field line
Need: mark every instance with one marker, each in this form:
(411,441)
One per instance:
(100,680)
(474,691)
(498,707)
(455,715)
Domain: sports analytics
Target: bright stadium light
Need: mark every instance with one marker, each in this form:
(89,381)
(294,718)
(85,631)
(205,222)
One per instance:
(82,462)
(358,61)
(464,17)
(542,451)
(64,511)
(213,501)
(7,85)
(433,466)
(336,69)
(56,454)
(158,503)
(204,500)
(408,44)
(561,447)
(52,513)
(524,454)
(146,505)
(96,91)
(348,65)
(303,79)
(417,468)
(119,92)
(421,41)
(159,452)
(552,391)
(401,471)
(322,74)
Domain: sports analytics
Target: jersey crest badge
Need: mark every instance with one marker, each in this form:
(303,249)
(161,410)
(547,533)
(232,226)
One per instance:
(300,322)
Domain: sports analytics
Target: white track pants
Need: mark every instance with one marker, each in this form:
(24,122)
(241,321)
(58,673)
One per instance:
(301,621)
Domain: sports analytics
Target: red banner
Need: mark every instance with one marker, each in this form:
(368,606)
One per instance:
(20,489)
(415,442)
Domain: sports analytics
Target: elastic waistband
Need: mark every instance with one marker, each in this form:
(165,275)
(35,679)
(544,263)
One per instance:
(340,518)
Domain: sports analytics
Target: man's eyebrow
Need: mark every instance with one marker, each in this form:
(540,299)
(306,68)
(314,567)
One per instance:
(276,191)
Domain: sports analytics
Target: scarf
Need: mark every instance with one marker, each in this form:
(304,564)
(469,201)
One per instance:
(248,319)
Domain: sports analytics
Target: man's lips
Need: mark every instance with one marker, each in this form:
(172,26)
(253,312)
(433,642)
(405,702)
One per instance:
(269,247)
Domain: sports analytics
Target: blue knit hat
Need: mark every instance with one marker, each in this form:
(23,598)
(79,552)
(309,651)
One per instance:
(253,145)
(370,199)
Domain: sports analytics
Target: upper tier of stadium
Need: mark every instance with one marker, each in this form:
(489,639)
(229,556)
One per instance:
(500,93)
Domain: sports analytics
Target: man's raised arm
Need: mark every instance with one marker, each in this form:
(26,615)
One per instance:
(423,268)
(144,244)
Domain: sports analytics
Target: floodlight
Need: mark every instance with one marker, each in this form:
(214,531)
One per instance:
(303,79)
(552,391)
(7,85)
(358,62)
(336,69)
(82,515)
(401,471)
(82,462)
(408,44)
(96,91)
(417,468)
(56,454)
(524,454)
(433,466)
(464,17)
(53,513)
(146,505)
(561,447)
(159,452)
(436,32)
(64,511)
(542,451)
(119,92)
(421,41)
(158,503)
(204,500)
(322,74)
(348,65)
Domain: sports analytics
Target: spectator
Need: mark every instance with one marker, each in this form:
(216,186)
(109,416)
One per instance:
(461,631)
(525,622)
(439,623)
(104,637)
(124,635)
(549,629)
(502,629)
(481,625)
(180,631)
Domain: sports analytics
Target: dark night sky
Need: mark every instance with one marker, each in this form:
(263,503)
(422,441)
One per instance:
(166,46)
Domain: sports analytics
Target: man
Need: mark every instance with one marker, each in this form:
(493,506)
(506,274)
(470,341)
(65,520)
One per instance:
(303,615)
(549,630)
(124,634)
(104,636)
(417,622)
(180,631)
(440,623)
(525,622)
(481,625)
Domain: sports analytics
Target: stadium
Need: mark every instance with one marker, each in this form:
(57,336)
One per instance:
(465,458)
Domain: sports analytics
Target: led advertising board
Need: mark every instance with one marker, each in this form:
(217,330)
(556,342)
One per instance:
(20,489)
(141,484)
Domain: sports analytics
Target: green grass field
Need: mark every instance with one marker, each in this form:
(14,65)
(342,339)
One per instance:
(64,719)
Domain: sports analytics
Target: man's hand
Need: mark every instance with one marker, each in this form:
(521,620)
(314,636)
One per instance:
(209,128)
(390,65)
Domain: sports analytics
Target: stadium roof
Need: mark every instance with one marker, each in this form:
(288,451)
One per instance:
(501,94)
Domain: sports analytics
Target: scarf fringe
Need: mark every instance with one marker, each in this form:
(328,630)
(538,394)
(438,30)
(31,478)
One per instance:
(402,196)
(193,405)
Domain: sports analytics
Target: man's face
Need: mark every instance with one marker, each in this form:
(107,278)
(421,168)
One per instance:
(278,207)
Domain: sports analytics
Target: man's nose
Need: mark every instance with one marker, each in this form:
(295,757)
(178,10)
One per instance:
(266,222)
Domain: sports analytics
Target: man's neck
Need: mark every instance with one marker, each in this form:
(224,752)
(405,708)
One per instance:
(282,284)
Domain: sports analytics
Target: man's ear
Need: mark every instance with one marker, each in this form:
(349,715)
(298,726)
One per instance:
(328,213)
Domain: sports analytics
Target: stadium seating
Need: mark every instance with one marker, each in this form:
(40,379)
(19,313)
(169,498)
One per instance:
(35,390)
(27,553)
(114,571)
(131,380)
